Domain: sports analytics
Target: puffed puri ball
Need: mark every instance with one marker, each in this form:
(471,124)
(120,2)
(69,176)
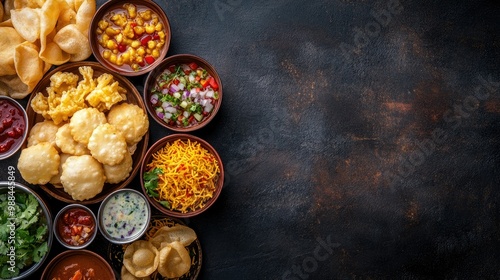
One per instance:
(130,120)
(107,144)
(82,177)
(38,163)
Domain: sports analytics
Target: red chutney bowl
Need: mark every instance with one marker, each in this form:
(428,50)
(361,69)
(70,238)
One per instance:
(75,226)
(13,126)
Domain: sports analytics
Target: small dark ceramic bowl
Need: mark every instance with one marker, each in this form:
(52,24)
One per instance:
(117,6)
(87,220)
(14,123)
(153,84)
(162,143)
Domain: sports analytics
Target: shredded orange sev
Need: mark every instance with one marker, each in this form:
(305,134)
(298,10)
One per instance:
(190,173)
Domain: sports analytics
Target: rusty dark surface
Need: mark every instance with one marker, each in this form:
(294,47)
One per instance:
(360,138)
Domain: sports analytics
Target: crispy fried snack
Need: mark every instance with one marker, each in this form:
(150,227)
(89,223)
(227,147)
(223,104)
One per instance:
(174,260)
(141,258)
(107,144)
(84,122)
(39,34)
(67,144)
(43,132)
(131,120)
(118,172)
(38,163)
(82,177)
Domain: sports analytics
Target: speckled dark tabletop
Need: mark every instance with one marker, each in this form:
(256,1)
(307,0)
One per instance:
(360,138)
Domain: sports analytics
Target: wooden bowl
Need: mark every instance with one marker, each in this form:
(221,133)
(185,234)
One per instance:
(152,83)
(117,5)
(159,145)
(133,97)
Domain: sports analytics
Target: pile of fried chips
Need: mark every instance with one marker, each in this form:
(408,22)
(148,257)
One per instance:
(36,34)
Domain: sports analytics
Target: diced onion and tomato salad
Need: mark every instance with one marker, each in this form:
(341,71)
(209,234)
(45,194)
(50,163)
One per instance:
(184,95)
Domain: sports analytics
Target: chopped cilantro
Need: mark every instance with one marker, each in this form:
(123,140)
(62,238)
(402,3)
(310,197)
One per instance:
(151,181)
(31,234)
(151,184)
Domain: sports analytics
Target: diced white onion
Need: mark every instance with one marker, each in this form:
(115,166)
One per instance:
(174,87)
(209,107)
(171,110)
(210,94)
(154,99)
(193,93)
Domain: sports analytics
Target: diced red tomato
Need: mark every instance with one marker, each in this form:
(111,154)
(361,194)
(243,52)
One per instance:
(122,48)
(193,65)
(7,122)
(213,83)
(74,230)
(149,59)
(205,83)
(6,146)
(84,220)
(146,39)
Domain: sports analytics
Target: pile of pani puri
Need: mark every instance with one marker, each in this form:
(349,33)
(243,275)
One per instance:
(36,34)
(88,135)
(164,253)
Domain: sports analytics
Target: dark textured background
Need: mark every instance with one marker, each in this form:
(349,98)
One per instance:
(378,139)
